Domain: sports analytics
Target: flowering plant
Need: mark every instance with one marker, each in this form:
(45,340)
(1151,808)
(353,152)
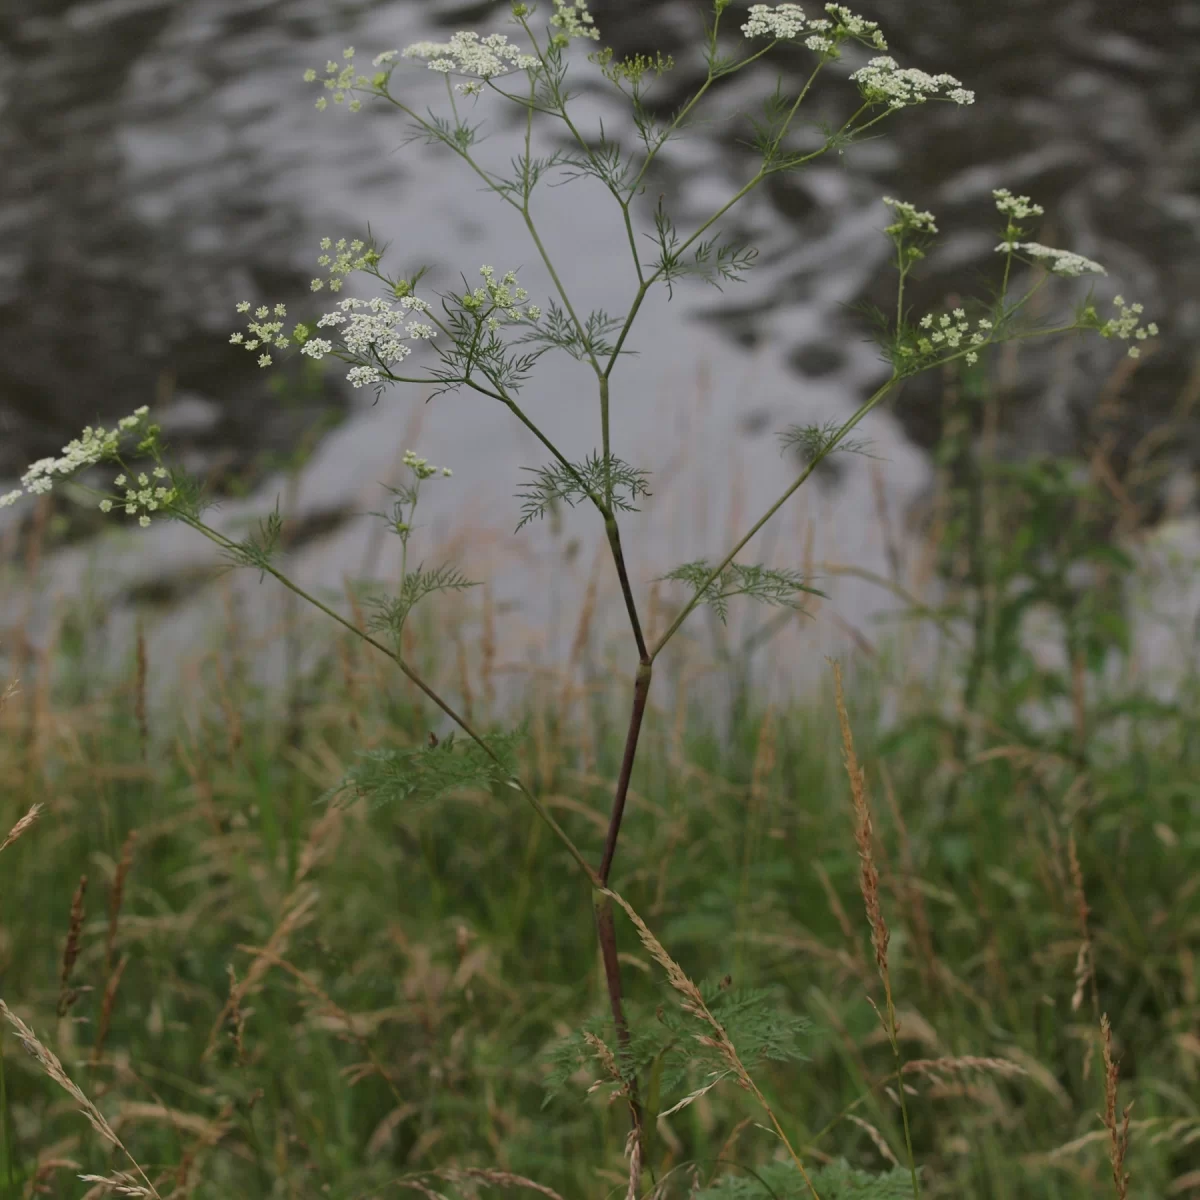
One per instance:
(489,338)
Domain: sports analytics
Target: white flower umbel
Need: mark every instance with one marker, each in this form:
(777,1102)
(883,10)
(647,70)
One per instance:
(908,219)
(1127,324)
(573,18)
(782,22)
(1063,262)
(468,54)
(102,445)
(883,80)
(504,296)
(786,22)
(421,467)
(1016,206)
(1058,262)
(848,25)
(93,446)
(371,330)
(948,334)
(342,78)
(355,256)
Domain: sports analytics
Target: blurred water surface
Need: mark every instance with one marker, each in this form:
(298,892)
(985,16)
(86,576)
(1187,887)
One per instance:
(163,160)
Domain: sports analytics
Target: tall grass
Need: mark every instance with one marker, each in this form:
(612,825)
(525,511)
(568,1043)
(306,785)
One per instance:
(249,988)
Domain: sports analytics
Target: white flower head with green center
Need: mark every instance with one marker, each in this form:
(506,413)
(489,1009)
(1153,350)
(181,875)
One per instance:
(422,468)
(883,80)
(908,219)
(355,256)
(341,79)
(504,295)
(573,18)
(849,25)
(467,54)
(1127,324)
(948,334)
(1016,206)
(786,22)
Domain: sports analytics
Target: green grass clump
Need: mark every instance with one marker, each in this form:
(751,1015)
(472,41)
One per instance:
(261,969)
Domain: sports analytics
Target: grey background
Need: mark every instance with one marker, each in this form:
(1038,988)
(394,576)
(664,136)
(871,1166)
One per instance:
(163,160)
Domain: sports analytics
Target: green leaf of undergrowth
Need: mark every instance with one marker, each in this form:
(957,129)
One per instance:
(756,1020)
(836,1181)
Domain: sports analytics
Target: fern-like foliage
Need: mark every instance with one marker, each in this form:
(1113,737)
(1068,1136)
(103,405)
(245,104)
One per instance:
(390,612)
(527,171)
(813,442)
(580,481)
(603,162)
(769,585)
(835,1181)
(557,329)
(257,550)
(420,774)
(708,262)
(474,348)
(192,499)
(458,135)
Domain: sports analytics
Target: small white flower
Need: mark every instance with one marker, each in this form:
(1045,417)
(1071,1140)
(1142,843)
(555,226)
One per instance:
(143,520)
(10,498)
(264,360)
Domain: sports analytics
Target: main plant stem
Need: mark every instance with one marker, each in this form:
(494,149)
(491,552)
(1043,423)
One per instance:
(606,930)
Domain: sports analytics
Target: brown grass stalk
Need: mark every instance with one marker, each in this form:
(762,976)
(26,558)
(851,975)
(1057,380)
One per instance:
(67,995)
(1085,972)
(111,983)
(869,886)
(50,1064)
(1118,1133)
(116,895)
(27,822)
